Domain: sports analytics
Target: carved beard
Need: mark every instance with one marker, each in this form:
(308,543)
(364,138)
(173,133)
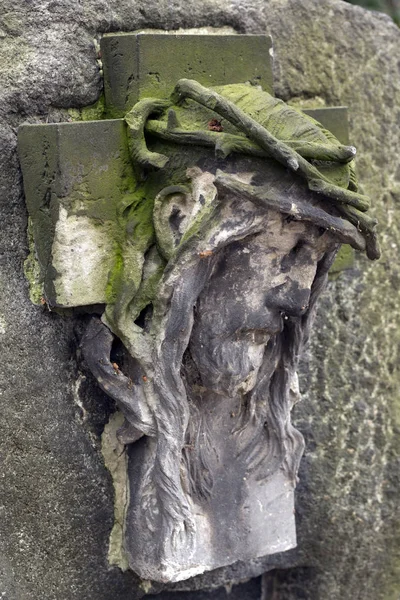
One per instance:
(230,366)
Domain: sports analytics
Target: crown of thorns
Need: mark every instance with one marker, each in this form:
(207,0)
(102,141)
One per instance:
(352,226)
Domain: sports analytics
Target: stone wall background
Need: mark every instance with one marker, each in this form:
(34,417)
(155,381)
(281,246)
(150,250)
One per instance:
(390,7)
(56,496)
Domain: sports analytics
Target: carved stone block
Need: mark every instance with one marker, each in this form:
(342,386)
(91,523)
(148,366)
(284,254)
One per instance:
(140,66)
(77,178)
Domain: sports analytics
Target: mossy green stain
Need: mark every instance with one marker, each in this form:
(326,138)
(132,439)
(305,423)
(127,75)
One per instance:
(191,116)
(32,269)
(135,224)
(344,260)
(115,278)
(93,112)
(119,197)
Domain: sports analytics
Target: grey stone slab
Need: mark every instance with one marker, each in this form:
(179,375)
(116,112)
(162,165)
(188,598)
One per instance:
(55,495)
(334,118)
(76,175)
(138,66)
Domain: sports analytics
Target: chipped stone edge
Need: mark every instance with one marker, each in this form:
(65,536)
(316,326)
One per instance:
(116,461)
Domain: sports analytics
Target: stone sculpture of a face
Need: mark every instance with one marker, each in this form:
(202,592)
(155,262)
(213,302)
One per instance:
(212,470)
(212,480)
(230,212)
(264,279)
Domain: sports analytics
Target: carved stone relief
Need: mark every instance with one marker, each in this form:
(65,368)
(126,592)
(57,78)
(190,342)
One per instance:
(204,256)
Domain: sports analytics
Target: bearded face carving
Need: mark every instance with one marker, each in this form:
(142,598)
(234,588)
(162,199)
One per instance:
(223,250)
(244,246)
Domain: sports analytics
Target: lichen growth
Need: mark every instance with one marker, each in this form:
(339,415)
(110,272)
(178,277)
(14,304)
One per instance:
(146,585)
(344,260)
(32,270)
(137,235)
(115,281)
(93,112)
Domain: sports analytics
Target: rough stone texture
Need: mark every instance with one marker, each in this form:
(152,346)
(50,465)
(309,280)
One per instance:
(348,513)
(246,591)
(140,66)
(77,175)
(56,502)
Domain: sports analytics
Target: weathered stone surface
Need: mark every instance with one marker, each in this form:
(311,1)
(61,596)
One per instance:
(333,118)
(142,66)
(76,177)
(348,515)
(326,52)
(52,537)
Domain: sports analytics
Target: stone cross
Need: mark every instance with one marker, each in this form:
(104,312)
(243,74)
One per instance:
(82,164)
(82,173)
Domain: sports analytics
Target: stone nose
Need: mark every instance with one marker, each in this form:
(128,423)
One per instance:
(289,298)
